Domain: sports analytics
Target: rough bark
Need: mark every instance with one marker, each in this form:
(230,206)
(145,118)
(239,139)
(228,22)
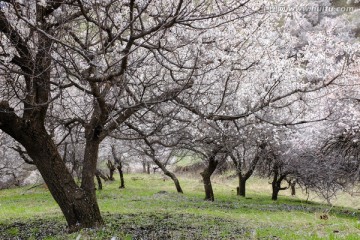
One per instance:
(89,166)
(34,68)
(78,206)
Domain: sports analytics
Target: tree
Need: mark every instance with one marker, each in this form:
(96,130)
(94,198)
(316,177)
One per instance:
(338,159)
(213,159)
(111,168)
(99,175)
(278,166)
(246,163)
(119,166)
(93,65)
(151,139)
(205,140)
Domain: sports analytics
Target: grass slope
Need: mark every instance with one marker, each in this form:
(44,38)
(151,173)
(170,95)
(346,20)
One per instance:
(149,208)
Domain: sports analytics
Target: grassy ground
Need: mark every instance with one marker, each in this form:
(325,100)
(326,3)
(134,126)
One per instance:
(149,208)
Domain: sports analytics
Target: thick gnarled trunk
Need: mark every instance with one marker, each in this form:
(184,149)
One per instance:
(78,205)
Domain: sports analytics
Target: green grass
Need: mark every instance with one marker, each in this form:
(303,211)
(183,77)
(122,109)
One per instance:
(142,211)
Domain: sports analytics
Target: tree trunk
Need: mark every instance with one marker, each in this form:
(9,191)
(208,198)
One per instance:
(148,168)
(169,174)
(206,176)
(243,177)
(175,180)
(99,181)
(276,184)
(209,193)
(89,166)
(144,166)
(242,185)
(118,163)
(293,189)
(99,175)
(275,191)
(112,169)
(78,205)
(122,181)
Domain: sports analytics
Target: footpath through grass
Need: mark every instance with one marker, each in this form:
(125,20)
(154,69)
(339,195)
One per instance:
(149,208)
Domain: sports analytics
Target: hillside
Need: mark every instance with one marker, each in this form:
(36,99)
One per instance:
(149,208)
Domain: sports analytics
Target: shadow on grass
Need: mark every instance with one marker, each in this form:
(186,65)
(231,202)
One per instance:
(131,226)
